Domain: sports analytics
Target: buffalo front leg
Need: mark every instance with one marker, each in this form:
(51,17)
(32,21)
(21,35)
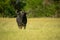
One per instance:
(25,27)
(20,27)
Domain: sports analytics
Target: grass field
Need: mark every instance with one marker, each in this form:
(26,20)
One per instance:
(37,29)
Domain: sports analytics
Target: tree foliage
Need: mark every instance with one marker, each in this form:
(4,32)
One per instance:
(34,8)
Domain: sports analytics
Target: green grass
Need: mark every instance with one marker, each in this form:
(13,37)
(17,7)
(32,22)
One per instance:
(37,29)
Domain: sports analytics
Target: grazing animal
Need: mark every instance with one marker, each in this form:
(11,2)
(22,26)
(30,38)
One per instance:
(21,19)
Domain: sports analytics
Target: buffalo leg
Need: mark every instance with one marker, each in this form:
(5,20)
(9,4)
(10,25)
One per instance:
(20,27)
(24,26)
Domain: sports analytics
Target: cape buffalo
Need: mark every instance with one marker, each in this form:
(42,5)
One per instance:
(21,19)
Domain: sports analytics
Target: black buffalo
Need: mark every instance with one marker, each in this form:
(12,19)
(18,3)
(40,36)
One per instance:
(21,19)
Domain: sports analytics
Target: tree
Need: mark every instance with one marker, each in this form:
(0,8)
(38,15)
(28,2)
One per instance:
(57,8)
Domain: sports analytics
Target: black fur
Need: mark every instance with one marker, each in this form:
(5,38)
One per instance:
(21,19)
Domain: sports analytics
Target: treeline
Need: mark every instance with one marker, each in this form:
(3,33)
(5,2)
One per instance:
(34,8)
